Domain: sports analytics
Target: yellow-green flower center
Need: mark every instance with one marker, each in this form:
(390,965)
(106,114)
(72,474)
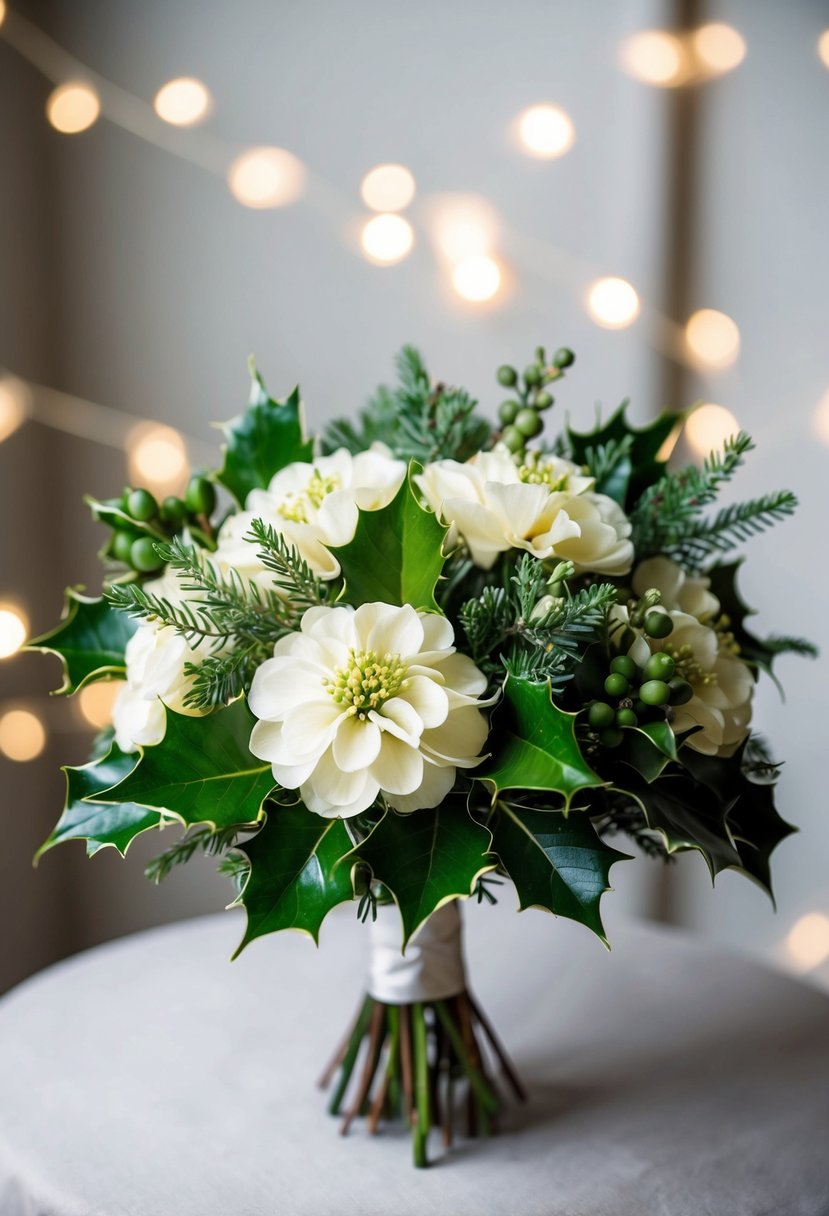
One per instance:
(367,681)
(688,666)
(537,472)
(294,507)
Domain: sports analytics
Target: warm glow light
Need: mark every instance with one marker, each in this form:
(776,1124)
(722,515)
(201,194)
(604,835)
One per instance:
(820,419)
(22,736)
(183,102)
(708,428)
(823,47)
(388,188)
(613,303)
(808,940)
(13,630)
(463,226)
(718,47)
(15,405)
(266,177)
(157,456)
(72,108)
(2,12)
(95,702)
(712,338)
(476,279)
(546,131)
(387,239)
(655,57)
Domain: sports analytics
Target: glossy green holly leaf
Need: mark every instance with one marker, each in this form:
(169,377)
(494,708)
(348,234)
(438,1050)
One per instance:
(100,823)
(90,641)
(264,439)
(639,466)
(110,512)
(202,771)
(426,859)
(558,864)
(396,556)
(648,748)
(295,873)
(687,816)
(534,745)
(752,650)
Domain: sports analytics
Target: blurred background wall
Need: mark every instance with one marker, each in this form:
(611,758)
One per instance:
(133,279)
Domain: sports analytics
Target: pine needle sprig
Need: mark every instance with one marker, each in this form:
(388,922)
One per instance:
(201,839)
(602,460)
(292,575)
(730,527)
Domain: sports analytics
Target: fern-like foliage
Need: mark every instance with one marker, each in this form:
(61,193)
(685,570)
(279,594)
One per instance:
(418,420)
(292,576)
(198,840)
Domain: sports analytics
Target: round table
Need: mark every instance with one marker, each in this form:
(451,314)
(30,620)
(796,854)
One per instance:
(150,1077)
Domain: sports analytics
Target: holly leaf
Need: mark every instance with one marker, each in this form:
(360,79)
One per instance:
(648,748)
(295,877)
(264,439)
(100,823)
(426,859)
(396,556)
(644,466)
(534,745)
(754,651)
(90,641)
(687,816)
(202,771)
(561,865)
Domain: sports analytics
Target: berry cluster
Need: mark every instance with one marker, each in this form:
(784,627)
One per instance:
(135,546)
(520,419)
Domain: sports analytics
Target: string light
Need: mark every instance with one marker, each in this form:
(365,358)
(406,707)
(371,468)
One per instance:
(613,303)
(463,226)
(266,177)
(72,108)
(388,188)
(22,736)
(477,278)
(712,338)
(823,47)
(718,47)
(15,405)
(708,428)
(95,702)
(157,456)
(13,630)
(807,942)
(182,102)
(387,239)
(546,131)
(655,57)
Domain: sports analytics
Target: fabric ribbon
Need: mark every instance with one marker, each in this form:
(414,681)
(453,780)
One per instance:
(432,967)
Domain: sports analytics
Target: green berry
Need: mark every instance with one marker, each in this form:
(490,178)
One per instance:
(658,624)
(141,505)
(122,545)
(532,374)
(507,375)
(626,717)
(173,511)
(624,665)
(512,438)
(680,691)
(528,422)
(611,737)
(654,692)
(564,357)
(660,666)
(200,496)
(543,400)
(600,715)
(507,411)
(143,556)
(617,685)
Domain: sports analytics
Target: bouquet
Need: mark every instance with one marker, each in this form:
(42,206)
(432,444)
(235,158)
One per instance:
(415,656)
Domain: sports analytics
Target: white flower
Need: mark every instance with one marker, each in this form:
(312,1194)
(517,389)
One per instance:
(376,700)
(155,659)
(547,507)
(313,505)
(679,590)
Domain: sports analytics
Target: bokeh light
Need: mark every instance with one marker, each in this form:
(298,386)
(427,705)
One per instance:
(546,131)
(463,226)
(157,456)
(15,405)
(2,11)
(13,630)
(613,303)
(655,57)
(807,942)
(719,47)
(820,419)
(266,177)
(708,427)
(477,278)
(72,108)
(823,47)
(22,735)
(712,338)
(95,702)
(387,239)
(388,188)
(182,102)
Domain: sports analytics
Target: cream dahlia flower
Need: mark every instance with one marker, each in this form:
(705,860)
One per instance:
(367,702)
(313,505)
(546,507)
(679,590)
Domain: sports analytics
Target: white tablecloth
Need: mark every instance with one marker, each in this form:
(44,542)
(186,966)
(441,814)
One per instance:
(151,1077)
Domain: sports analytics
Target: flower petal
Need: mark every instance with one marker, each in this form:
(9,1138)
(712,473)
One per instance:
(398,768)
(427,698)
(436,784)
(356,744)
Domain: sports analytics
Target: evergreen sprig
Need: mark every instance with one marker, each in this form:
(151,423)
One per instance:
(731,526)
(291,573)
(602,460)
(201,839)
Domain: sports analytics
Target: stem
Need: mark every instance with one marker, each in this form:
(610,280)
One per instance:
(421,1064)
(350,1057)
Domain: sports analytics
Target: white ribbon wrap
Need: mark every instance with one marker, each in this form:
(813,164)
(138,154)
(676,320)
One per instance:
(432,967)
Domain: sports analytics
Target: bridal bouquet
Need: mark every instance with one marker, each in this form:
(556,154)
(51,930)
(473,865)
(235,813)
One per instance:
(416,655)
